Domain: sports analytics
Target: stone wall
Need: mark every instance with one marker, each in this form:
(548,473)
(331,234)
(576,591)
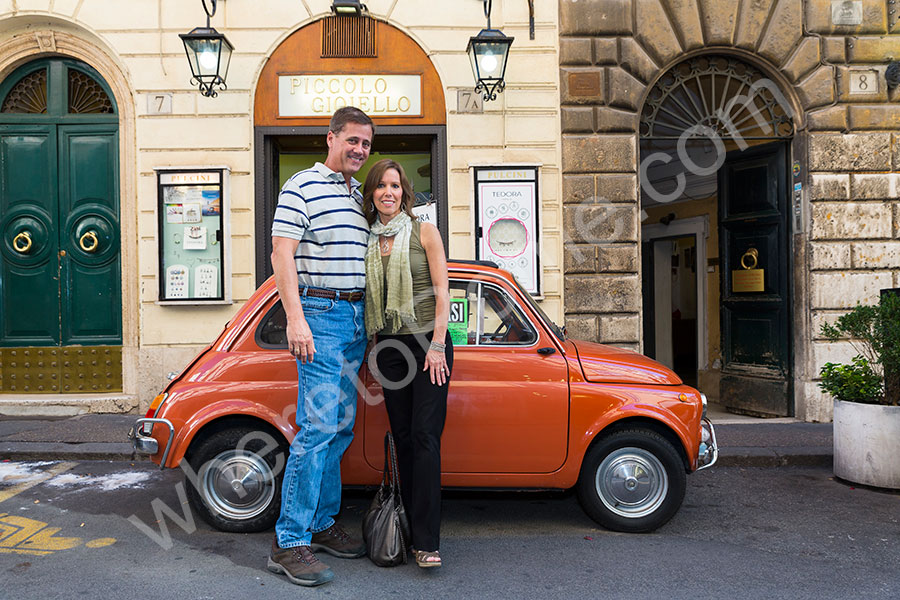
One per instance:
(611,51)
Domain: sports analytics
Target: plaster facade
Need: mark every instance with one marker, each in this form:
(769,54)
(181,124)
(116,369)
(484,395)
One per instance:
(135,47)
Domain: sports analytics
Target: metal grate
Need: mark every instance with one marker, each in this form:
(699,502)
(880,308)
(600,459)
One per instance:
(716,95)
(29,95)
(86,95)
(348,37)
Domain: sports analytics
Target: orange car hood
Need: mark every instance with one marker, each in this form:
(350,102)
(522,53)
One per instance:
(606,364)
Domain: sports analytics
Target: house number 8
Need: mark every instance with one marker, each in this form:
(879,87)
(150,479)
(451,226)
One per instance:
(864,82)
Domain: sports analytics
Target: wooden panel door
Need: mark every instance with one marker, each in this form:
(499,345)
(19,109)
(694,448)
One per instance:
(756,328)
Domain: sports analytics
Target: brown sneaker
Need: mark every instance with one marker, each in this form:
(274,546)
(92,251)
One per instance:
(299,564)
(336,541)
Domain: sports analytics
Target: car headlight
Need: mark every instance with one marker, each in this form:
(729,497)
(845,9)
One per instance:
(703,400)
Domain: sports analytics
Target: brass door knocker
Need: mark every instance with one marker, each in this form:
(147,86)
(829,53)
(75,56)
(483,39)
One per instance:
(89,241)
(22,242)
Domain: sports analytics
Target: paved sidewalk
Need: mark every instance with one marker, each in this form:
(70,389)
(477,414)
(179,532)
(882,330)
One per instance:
(743,441)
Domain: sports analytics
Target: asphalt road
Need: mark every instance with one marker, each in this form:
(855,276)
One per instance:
(768,533)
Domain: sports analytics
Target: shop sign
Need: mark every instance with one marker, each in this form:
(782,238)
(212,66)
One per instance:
(376,95)
(507,204)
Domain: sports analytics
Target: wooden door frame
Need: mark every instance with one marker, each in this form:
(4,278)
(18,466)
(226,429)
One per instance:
(699,228)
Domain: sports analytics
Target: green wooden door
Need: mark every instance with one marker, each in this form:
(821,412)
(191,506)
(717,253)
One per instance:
(756,328)
(60,275)
(29,222)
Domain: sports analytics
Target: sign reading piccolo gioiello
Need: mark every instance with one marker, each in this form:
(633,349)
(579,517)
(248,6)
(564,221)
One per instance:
(376,95)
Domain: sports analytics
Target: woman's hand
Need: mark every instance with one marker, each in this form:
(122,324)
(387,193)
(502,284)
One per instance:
(436,362)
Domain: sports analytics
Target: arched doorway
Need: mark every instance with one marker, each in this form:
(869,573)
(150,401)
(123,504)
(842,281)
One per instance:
(60,275)
(716,223)
(338,61)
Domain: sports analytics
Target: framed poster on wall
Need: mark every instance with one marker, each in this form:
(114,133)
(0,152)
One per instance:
(506,221)
(192,257)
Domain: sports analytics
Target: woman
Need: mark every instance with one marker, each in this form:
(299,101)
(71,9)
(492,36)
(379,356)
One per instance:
(407,305)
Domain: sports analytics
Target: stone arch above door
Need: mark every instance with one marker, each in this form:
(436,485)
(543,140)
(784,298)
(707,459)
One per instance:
(612,53)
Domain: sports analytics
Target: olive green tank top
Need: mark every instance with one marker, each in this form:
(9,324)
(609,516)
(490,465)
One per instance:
(423,289)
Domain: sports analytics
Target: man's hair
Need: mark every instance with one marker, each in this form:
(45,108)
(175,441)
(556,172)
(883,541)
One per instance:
(349,114)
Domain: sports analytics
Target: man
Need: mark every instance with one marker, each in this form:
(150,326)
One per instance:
(319,240)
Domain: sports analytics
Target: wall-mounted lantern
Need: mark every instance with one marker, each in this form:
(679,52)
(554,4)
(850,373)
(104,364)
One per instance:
(209,54)
(488,52)
(348,7)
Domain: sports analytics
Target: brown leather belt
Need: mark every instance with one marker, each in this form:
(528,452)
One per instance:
(333,294)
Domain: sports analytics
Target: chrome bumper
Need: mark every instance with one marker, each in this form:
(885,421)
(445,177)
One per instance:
(709,451)
(143,443)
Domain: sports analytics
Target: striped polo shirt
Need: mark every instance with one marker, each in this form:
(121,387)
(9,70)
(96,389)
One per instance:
(316,208)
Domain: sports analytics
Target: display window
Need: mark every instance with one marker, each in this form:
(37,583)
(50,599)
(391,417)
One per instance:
(191,235)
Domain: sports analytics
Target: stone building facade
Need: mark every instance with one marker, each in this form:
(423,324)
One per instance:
(833,239)
(156,120)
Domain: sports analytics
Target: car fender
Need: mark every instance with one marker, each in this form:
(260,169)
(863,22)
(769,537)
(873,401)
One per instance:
(225,409)
(657,414)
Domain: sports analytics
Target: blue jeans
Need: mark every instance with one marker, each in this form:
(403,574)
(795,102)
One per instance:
(326,410)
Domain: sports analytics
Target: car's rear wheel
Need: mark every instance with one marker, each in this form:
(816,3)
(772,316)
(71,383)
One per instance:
(238,484)
(632,481)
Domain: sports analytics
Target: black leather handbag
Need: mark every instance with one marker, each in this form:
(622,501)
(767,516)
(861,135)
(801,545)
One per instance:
(385,526)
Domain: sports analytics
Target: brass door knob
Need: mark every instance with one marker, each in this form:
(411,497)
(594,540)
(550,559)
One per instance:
(22,242)
(89,241)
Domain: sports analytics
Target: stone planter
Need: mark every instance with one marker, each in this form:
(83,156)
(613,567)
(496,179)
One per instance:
(867,444)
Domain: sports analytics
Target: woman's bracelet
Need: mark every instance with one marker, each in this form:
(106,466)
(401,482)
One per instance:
(438,347)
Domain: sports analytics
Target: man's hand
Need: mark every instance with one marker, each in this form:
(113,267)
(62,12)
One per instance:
(300,340)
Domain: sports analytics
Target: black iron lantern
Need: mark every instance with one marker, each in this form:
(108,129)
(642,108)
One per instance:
(488,52)
(348,7)
(209,54)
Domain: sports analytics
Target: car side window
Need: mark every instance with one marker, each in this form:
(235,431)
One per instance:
(485,315)
(272,332)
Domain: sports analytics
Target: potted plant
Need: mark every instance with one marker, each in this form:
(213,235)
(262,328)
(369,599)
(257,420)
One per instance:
(867,393)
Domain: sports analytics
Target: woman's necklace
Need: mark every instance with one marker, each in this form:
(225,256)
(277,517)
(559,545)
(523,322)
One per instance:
(386,244)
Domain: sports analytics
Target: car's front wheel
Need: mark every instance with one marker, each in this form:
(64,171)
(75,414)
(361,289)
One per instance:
(632,481)
(238,479)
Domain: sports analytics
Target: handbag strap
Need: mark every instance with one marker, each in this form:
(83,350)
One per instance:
(390,463)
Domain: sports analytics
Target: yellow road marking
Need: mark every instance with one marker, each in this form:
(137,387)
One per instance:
(48,474)
(20,535)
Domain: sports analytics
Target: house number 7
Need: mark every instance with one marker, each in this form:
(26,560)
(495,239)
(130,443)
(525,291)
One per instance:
(467,101)
(159,104)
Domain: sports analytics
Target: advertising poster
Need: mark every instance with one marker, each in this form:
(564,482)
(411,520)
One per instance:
(507,208)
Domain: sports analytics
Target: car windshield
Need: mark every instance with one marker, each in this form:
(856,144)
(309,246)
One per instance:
(556,329)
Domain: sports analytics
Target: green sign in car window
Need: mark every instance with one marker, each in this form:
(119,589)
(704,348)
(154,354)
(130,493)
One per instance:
(458,324)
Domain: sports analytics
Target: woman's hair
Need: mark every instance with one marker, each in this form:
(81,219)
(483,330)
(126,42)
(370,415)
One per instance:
(372,181)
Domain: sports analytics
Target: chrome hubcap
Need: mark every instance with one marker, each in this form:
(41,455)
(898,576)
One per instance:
(631,482)
(237,484)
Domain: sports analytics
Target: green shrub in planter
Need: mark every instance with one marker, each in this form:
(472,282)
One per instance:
(874,332)
(856,382)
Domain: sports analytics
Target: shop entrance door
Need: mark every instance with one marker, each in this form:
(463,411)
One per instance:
(755,308)
(60,280)
(419,150)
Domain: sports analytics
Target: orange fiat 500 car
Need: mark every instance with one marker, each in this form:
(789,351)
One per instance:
(528,408)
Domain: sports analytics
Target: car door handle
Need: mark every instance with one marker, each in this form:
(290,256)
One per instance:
(546,350)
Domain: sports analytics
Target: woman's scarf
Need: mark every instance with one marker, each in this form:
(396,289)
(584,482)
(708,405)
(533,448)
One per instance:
(396,308)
